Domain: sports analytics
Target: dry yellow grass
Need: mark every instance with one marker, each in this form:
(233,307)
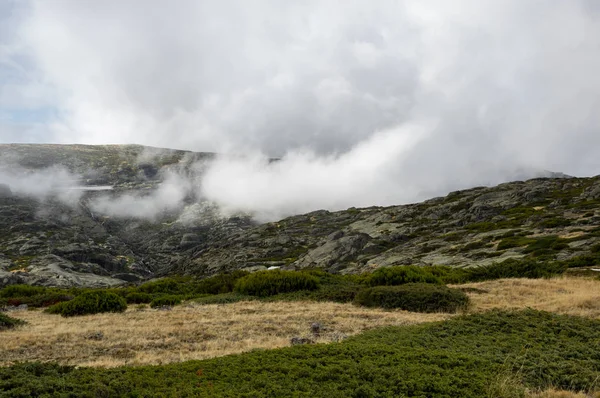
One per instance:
(198,332)
(186,332)
(552,393)
(564,295)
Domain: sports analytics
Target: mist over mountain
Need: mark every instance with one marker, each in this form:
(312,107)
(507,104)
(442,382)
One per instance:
(277,110)
(365,104)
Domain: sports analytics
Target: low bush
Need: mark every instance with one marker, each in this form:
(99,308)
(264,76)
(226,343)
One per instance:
(165,301)
(269,283)
(47,299)
(163,286)
(8,322)
(40,300)
(218,284)
(514,241)
(90,303)
(449,274)
(336,293)
(392,276)
(516,268)
(416,297)
(585,260)
(545,245)
(138,298)
(14,291)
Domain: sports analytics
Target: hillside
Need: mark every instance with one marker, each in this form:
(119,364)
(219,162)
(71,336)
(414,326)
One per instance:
(53,240)
(46,239)
(554,219)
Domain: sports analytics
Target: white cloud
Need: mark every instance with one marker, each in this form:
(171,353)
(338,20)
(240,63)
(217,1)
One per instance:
(498,86)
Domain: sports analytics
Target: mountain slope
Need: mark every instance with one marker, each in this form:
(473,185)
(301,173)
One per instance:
(54,236)
(555,219)
(53,233)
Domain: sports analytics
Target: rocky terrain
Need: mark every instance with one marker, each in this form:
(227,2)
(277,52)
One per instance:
(547,219)
(49,241)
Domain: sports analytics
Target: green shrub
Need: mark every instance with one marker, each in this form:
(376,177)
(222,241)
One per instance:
(545,245)
(417,297)
(47,299)
(218,284)
(336,293)
(269,283)
(555,222)
(165,301)
(585,260)
(391,276)
(15,291)
(90,303)
(138,298)
(449,274)
(8,322)
(514,241)
(514,268)
(162,286)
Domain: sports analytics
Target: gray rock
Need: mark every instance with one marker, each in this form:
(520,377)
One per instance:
(334,251)
(316,328)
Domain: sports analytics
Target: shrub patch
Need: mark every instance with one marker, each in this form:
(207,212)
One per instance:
(416,297)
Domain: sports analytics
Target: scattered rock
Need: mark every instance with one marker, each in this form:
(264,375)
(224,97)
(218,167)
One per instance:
(22,307)
(316,329)
(301,340)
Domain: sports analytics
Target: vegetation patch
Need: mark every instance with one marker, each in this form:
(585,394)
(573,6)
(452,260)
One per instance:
(514,241)
(535,246)
(164,286)
(585,260)
(448,359)
(555,222)
(90,303)
(416,297)
(15,291)
(391,276)
(218,284)
(138,298)
(514,268)
(269,283)
(8,322)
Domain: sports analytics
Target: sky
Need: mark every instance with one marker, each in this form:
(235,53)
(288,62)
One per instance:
(354,96)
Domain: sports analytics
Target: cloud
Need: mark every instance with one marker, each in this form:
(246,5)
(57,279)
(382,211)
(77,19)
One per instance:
(326,86)
(168,197)
(303,181)
(43,184)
